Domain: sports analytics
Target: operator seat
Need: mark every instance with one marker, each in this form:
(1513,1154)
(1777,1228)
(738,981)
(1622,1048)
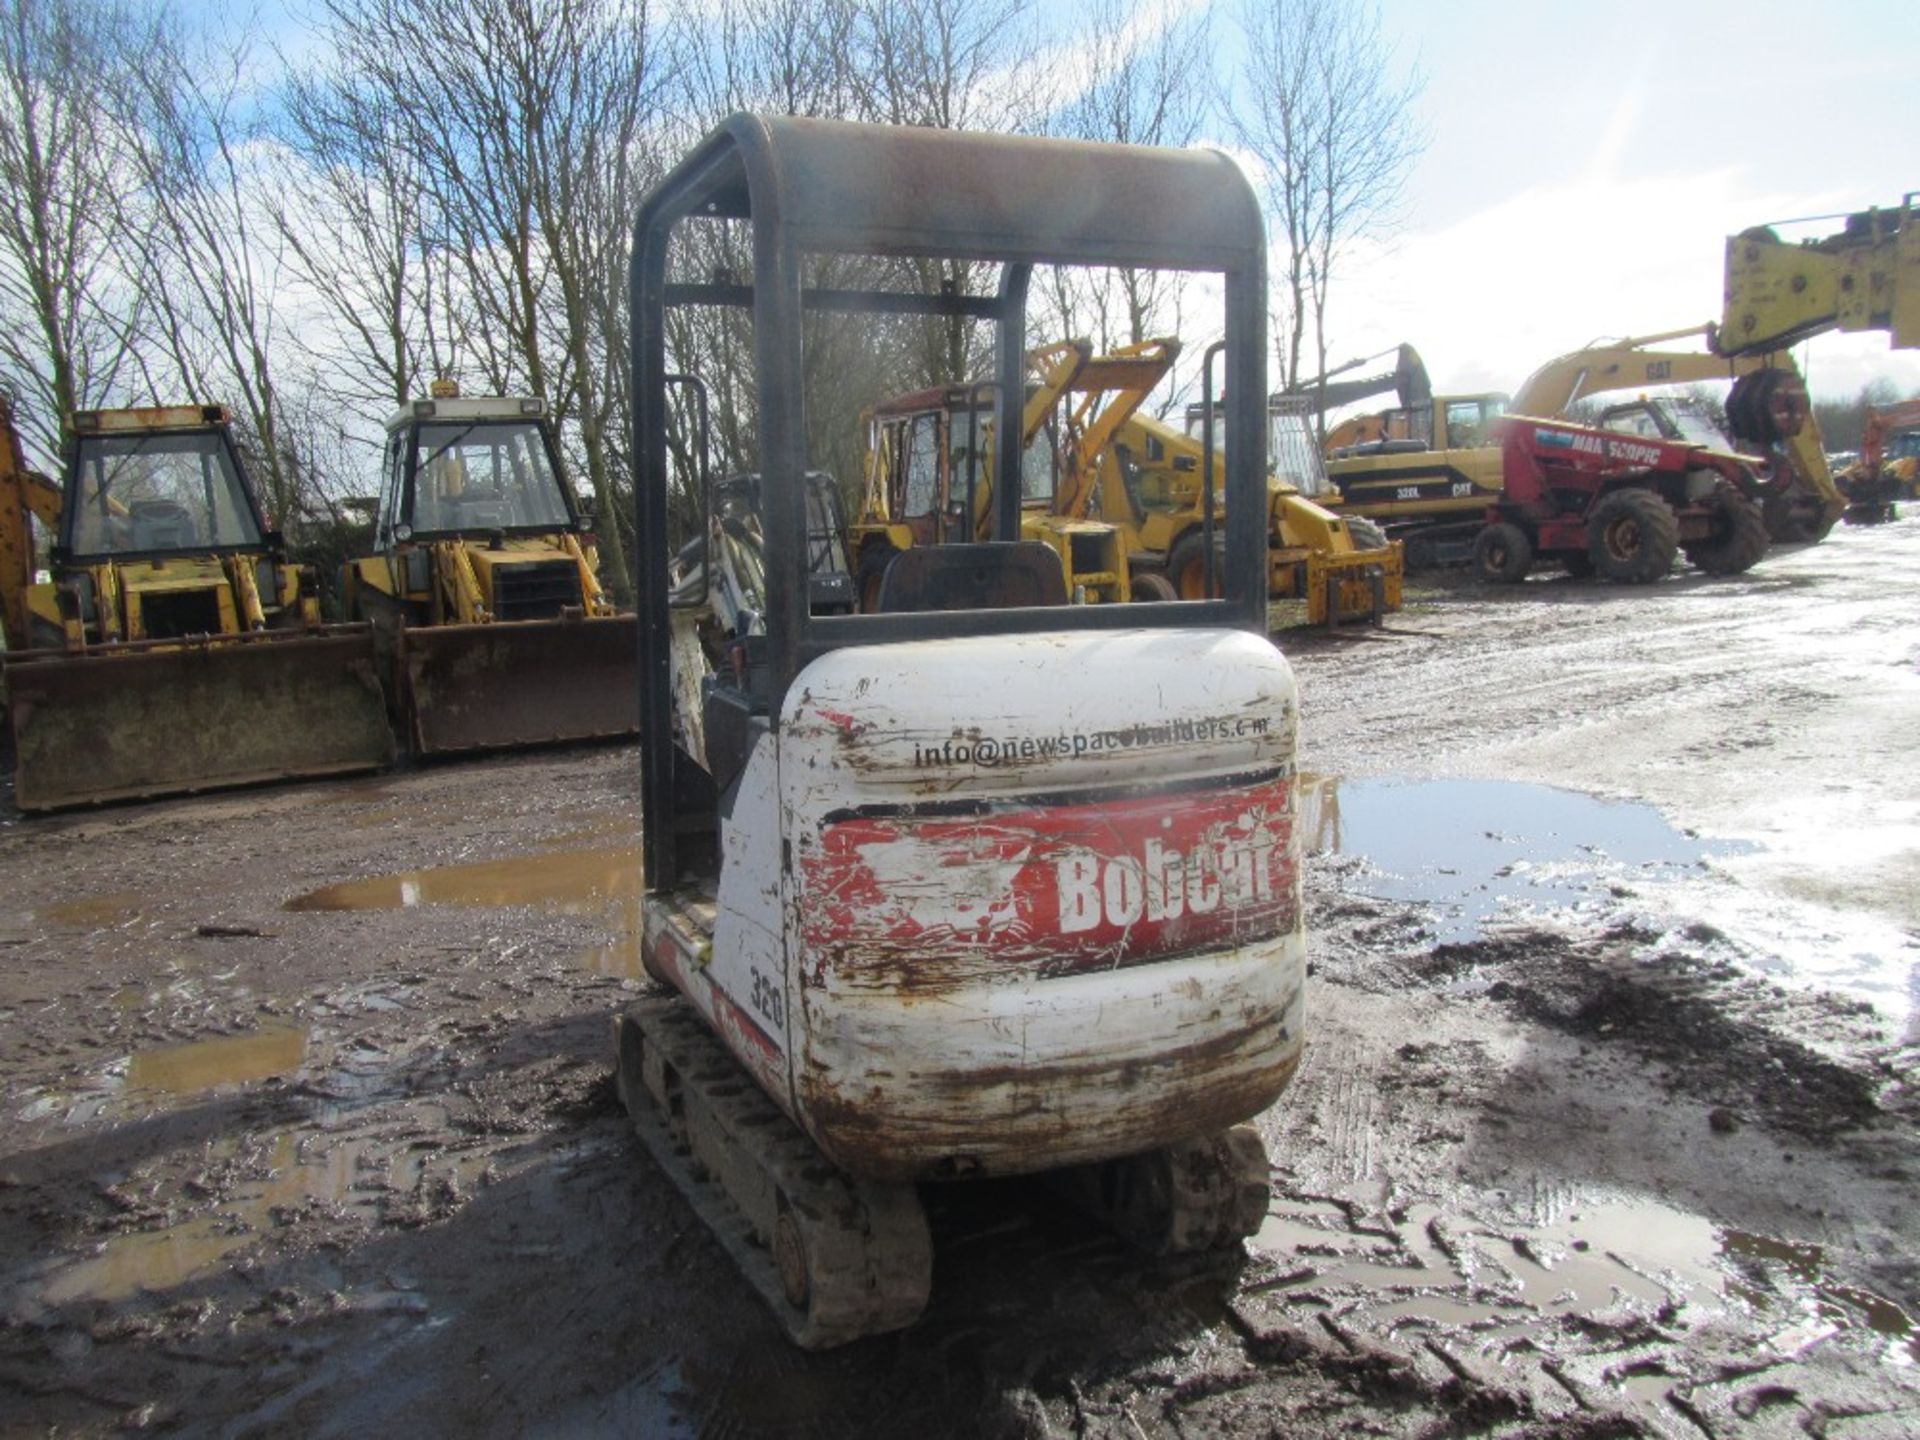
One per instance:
(991,575)
(162,525)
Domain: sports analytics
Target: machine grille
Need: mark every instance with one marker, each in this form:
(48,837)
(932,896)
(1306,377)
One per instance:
(535,591)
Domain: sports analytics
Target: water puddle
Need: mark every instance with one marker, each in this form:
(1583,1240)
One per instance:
(93,912)
(604,882)
(1603,1262)
(208,1064)
(1471,852)
(282,1176)
(578,881)
(1472,849)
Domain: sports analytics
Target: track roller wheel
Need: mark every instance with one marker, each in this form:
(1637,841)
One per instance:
(1739,535)
(1632,537)
(1502,554)
(1205,1194)
(835,1258)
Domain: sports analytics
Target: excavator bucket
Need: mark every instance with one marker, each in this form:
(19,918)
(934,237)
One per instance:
(168,718)
(519,683)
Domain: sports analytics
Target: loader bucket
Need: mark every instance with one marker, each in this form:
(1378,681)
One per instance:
(520,682)
(1361,586)
(152,719)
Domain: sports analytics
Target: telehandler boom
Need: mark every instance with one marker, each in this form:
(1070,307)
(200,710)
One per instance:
(973,882)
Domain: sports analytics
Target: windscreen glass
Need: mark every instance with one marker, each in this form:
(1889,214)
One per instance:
(487,475)
(157,494)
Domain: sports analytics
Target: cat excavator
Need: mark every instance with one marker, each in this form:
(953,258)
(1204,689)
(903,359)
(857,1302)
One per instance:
(930,896)
(172,647)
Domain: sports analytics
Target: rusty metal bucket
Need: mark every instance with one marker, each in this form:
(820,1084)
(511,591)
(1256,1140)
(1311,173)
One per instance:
(518,683)
(167,717)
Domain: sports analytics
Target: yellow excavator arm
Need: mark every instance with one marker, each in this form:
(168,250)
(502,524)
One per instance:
(1629,364)
(1866,277)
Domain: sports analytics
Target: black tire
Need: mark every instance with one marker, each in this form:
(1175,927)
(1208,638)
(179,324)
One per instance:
(1766,407)
(1365,534)
(1632,537)
(1792,519)
(1739,537)
(1502,554)
(874,561)
(1150,585)
(1187,567)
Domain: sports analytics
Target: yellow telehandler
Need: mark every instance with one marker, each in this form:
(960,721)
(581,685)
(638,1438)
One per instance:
(484,589)
(172,647)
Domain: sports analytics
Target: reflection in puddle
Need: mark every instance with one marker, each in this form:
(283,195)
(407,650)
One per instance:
(1469,848)
(1820,1298)
(1600,1262)
(93,912)
(1471,851)
(292,1171)
(229,1060)
(603,882)
(574,880)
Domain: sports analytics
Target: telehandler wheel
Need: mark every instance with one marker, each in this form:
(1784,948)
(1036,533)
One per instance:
(1632,537)
(874,561)
(1366,534)
(1187,567)
(1739,535)
(1795,519)
(1502,554)
(1152,585)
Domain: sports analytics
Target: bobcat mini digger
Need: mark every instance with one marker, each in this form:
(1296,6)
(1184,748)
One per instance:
(973,881)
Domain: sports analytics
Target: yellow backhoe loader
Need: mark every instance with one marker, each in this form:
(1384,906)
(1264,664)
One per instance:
(484,591)
(1119,496)
(928,467)
(1151,481)
(172,648)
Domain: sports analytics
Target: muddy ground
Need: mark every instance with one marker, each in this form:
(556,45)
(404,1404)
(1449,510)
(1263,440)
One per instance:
(1606,1126)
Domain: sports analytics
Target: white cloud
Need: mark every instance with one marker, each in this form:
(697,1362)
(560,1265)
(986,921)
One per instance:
(1492,296)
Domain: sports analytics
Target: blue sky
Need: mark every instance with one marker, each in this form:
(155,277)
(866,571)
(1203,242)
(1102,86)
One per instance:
(1584,164)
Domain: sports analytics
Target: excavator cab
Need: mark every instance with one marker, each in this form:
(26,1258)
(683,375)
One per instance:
(970,881)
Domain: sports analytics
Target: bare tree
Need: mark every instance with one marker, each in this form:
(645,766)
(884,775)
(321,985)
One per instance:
(210,257)
(1328,116)
(1145,83)
(68,307)
(528,123)
(357,218)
